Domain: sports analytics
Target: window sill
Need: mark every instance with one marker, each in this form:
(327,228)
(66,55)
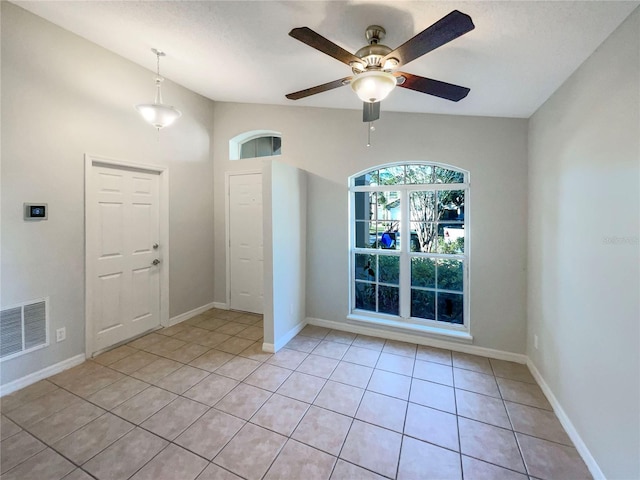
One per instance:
(413,328)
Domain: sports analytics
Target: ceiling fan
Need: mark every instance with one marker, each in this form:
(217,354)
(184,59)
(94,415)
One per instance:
(374,65)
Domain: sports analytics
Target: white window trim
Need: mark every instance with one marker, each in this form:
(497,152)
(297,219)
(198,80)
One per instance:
(404,321)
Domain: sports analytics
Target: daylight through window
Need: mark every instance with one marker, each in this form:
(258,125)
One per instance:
(265,146)
(409,244)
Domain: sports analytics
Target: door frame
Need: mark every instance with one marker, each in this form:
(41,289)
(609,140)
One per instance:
(163,172)
(227,222)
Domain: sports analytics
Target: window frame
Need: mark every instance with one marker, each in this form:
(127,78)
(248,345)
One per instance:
(255,139)
(235,144)
(404,321)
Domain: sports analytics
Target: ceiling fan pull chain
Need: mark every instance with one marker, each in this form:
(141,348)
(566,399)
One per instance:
(370,129)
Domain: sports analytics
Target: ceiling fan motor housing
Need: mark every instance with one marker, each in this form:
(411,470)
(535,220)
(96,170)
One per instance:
(373,53)
(371,56)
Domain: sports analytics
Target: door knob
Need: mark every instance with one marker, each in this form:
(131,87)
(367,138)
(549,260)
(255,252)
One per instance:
(155,246)
(156,261)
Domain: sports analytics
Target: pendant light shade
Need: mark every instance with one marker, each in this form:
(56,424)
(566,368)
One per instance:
(156,113)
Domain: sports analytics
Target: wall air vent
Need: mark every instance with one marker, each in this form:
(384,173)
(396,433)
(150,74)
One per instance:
(23,328)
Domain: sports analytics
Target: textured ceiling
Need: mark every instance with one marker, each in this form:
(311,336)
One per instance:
(236,51)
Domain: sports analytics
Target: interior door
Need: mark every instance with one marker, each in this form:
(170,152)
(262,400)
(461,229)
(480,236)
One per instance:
(246,260)
(124,228)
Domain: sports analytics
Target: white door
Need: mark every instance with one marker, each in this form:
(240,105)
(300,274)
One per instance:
(245,243)
(123,229)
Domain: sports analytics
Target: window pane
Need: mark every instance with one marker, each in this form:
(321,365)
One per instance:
(444,175)
(423,272)
(264,147)
(424,237)
(365,234)
(423,304)
(366,296)
(450,205)
(422,206)
(365,205)
(415,242)
(388,205)
(370,178)
(450,275)
(450,308)
(388,269)
(248,149)
(451,238)
(365,267)
(277,145)
(388,300)
(392,176)
(375,235)
(417,174)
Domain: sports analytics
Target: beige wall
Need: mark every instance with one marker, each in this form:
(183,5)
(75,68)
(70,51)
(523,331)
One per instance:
(62,97)
(584,288)
(331,145)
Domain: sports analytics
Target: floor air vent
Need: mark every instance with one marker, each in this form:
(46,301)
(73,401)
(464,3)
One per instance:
(23,328)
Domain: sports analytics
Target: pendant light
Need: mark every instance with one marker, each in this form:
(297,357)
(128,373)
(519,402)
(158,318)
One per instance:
(156,113)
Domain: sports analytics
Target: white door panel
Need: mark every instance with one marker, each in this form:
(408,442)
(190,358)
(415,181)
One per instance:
(126,285)
(245,243)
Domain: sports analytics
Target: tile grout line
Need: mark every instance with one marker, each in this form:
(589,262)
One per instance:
(455,404)
(309,405)
(248,421)
(124,419)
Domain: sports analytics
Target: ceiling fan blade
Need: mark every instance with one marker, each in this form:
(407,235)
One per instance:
(370,111)
(318,89)
(443,31)
(429,86)
(317,41)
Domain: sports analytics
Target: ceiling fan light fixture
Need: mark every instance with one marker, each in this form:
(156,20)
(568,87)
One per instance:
(357,66)
(158,114)
(373,86)
(390,64)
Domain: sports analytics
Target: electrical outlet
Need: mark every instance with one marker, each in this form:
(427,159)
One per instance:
(535,342)
(61,334)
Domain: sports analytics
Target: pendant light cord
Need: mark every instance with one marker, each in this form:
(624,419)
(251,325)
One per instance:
(158,100)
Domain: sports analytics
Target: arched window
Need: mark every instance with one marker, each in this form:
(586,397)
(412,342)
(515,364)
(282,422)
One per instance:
(409,245)
(254,144)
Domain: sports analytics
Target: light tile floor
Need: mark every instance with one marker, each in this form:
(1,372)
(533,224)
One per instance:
(202,400)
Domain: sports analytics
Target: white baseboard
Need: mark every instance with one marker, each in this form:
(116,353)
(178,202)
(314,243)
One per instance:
(581,447)
(421,340)
(41,374)
(284,339)
(268,347)
(190,314)
(220,305)
(575,437)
